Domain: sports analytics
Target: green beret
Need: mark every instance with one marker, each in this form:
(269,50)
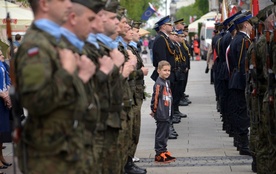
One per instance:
(264,13)
(121,12)
(136,24)
(95,6)
(254,20)
(112,6)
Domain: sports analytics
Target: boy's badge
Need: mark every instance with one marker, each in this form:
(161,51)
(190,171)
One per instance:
(33,51)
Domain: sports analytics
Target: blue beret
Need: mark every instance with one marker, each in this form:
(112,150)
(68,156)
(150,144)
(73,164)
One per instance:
(228,20)
(242,19)
(163,21)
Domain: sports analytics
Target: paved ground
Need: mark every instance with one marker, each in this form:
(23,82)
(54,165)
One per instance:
(201,148)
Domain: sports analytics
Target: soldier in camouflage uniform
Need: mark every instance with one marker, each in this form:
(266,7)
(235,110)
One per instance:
(140,72)
(108,88)
(269,103)
(255,89)
(52,90)
(74,35)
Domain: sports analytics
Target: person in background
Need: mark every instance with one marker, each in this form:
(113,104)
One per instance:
(17,41)
(5,105)
(145,55)
(196,45)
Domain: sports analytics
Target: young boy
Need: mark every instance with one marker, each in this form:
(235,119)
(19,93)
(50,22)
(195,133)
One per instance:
(161,110)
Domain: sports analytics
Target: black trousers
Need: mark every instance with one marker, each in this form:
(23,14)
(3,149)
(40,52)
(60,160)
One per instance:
(240,115)
(161,136)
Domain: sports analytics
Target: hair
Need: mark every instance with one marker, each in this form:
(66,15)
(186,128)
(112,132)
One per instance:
(34,5)
(163,63)
(240,26)
(17,37)
(78,9)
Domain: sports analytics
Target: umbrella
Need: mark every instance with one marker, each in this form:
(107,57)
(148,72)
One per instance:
(143,32)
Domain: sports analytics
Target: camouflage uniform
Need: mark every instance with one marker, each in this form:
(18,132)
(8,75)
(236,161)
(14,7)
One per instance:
(52,136)
(139,96)
(108,88)
(258,137)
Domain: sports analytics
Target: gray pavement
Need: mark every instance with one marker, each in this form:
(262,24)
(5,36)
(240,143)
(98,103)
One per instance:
(201,148)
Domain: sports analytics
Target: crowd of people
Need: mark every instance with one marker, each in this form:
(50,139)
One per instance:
(83,88)
(241,58)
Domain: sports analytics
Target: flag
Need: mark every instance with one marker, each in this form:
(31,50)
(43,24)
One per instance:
(148,13)
(224,11)
(255,7)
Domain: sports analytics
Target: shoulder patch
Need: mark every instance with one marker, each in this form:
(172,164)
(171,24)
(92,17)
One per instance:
(33,51)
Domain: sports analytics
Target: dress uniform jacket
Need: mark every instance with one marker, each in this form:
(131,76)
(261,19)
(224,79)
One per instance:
(236,58)
(163,50)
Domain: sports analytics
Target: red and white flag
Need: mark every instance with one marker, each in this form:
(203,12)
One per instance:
(240,2)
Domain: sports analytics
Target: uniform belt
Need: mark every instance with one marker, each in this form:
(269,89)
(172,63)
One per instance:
(115,108)
(139,82)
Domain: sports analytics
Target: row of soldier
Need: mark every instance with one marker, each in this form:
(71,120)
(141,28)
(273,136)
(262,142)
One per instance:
(244,84)
(80,76)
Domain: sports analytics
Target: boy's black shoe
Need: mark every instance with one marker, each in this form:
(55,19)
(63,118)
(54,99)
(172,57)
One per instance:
(168,155)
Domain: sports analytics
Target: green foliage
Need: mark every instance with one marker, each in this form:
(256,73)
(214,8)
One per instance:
(135,8)
(199,8)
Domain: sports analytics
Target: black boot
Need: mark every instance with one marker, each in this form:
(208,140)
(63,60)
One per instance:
(131,168)
(254,164)
(178,113)
(244,145)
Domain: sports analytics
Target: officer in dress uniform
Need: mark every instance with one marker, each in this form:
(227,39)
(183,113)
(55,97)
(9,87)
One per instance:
(223,75)
(236,58)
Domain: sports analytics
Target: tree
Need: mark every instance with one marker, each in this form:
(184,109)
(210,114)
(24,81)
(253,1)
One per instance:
(135,8)
(199,8)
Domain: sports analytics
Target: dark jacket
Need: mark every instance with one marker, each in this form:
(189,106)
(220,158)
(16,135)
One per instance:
(161,100)
(236,58)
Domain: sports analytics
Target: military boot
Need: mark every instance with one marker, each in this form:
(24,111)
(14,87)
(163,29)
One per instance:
(254,164)
(131,168)
(244,145)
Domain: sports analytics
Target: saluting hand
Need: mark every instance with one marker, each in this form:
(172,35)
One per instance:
(68,60)
(132,58)
(106,64)
(117,57)
(127,69)
(86,68)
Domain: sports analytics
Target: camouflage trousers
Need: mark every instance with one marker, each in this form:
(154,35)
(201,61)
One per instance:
(125,135)
(136,126)
(111,151)
(52,164)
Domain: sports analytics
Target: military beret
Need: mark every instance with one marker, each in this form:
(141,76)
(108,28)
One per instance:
(253,21)
(264,13)
(112,6)
(121,12)
(179,21)
(164,20)
(180,32)
(136,24)
(242,17)
(95,6)
(231,18)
